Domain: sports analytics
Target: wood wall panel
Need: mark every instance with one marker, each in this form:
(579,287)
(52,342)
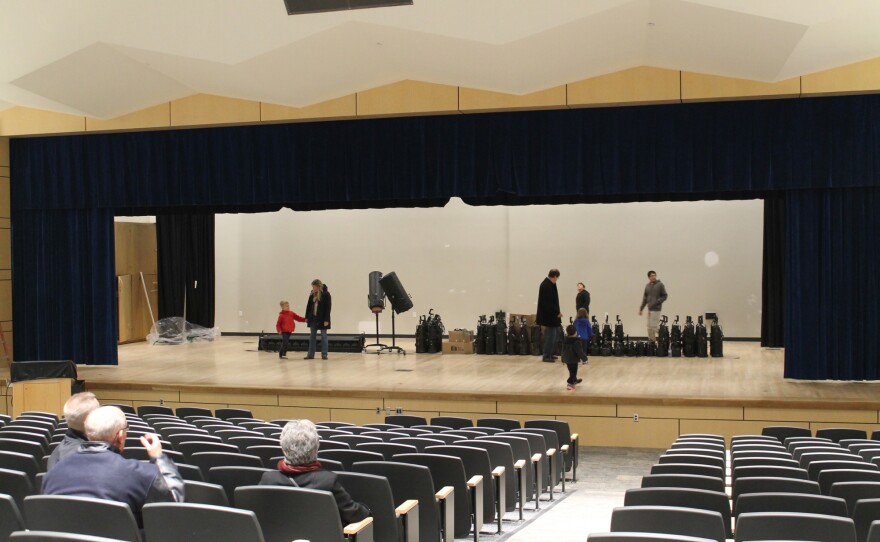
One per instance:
(407,98)
(868,427)
(544,409)
(4,151)
(663,411)
(810,415)
(4,171)
(726,428)
(436,405)
(327,402)
(5,274)
(5,208)
(147,397)
(358,417)
(5,248)
(158,116)
(5,223)
(141,322)
(270,412)
(5,300)
(622,432)
(858,78)
(26,121)
(208,110)
(249,399)
(635,86)
(472,100)
(340,108)
(123,308)
(699,87)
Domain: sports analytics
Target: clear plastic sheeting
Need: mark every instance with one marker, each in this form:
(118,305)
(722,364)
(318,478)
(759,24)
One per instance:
(176,330)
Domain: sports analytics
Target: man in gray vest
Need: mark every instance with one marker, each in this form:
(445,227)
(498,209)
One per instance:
(653,298)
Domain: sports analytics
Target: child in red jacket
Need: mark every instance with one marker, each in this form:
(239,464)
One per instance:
(285,326)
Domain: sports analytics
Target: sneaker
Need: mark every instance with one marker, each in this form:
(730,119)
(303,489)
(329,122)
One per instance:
(545,360)
(323,357)
(309,357)
(579,380)
(570,387)
(282,357)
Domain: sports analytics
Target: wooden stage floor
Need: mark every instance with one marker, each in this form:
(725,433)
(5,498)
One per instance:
(748,375)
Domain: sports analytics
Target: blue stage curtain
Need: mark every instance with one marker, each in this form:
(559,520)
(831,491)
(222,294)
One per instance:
(63,286)
(833,313)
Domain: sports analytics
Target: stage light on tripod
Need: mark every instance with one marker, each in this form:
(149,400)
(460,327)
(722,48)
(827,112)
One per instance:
(376,295)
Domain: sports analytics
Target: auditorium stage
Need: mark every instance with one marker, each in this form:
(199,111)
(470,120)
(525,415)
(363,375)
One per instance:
(736,394)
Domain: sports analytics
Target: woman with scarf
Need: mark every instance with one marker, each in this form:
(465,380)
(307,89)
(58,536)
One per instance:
(301,468)
(318,317)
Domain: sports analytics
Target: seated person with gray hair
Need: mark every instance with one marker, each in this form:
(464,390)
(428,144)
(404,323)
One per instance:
(301,468)
(76,409)
(98,470)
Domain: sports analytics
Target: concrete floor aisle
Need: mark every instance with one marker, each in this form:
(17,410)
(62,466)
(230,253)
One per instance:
(604,475)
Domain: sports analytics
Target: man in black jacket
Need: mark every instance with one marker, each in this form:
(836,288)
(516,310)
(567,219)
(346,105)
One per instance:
(548,315)
(653,298)
(76,410)
(582,300)
(301,468)
(98,470)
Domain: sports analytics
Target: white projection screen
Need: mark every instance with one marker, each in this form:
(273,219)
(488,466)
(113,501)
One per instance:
(465,261)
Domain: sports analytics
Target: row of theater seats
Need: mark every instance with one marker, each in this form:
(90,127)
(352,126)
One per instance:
(784,484)
(219,458)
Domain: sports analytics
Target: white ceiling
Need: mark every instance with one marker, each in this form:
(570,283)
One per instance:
(105,58)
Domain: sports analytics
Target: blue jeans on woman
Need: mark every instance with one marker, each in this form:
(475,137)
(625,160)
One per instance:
(313,339)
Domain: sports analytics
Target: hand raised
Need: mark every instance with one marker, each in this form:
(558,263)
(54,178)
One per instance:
(151,442)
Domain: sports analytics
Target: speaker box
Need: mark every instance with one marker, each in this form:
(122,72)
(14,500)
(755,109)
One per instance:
(299,7)
(400,300)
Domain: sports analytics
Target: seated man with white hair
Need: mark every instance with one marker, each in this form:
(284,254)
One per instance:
(98,470)
(76,409)
(301,468)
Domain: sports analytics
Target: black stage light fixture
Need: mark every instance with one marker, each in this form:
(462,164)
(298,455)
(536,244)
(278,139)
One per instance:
(376,296)
(302,7)
(400,300)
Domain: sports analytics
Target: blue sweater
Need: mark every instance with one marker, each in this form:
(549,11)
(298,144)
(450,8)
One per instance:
(584,329)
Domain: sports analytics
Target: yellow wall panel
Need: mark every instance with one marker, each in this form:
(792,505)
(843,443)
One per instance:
(5,274)
(4,171)
(27,121)
(5,248)
(437,405)
(699,87)
(205,109)
(861,77)
(475,100)
(123,304)
(146,397)
(269,413)
(5,299)
(9,345)
(635,86)
(544,409)
(338,108)
(4,151)
(623,432)
(229,398)
(329,401)
(407,98)
(810,415)
(4,198)
(158,116)
(696,412)
(5,223)
(869,428)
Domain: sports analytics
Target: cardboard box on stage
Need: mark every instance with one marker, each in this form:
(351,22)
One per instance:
(530,319)
(458,347)
(461,335)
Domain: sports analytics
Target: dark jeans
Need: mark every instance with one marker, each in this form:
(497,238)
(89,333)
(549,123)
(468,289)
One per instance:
(572,373)
(551,336)
(285,344)
(313,340)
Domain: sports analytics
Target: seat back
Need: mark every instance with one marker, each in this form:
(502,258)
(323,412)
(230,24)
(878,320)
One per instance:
(230,478)
(836,434)
(183,412)
(386,436)
(190,447)
(743,486)
(855,491)
(829,477)
(17,485)
(420,443)
(669,520)
(790,502)
(687,468)
(684,498)
(521,449)
(190,472)
(349,457)
(316,518)
(409,481)
(816,467)
(21,462)
(204,493)
(687,481)
(207,460)
(327,425)
(83,515)
(10,517)
(782,432)
(776,472)
(794,526)
(452,422)
(404,420)
(387,449)
(867,511)
(447,471)
(144,410)
(189,522)
(505,424)
(227,413)
(265,453)
(500,455)
(476,463)
(375,492)
(354,440)
(642,537)
(325,444)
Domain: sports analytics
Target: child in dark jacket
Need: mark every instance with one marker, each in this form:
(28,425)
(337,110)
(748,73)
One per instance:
(584,329)
(572,355)
(286,325)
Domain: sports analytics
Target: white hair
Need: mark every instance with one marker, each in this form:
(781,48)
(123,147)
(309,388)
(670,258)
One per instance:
(299,442)
(104,423)
(78,407)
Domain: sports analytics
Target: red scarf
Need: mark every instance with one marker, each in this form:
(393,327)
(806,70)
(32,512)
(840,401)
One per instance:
(287,468)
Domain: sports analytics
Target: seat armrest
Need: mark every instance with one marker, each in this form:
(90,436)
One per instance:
(521,464)
(498,471)
(406,507)
(536,458)
(475,481)
(574,437)
(444,492)
(355,528)
(551,452)
(564,448)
